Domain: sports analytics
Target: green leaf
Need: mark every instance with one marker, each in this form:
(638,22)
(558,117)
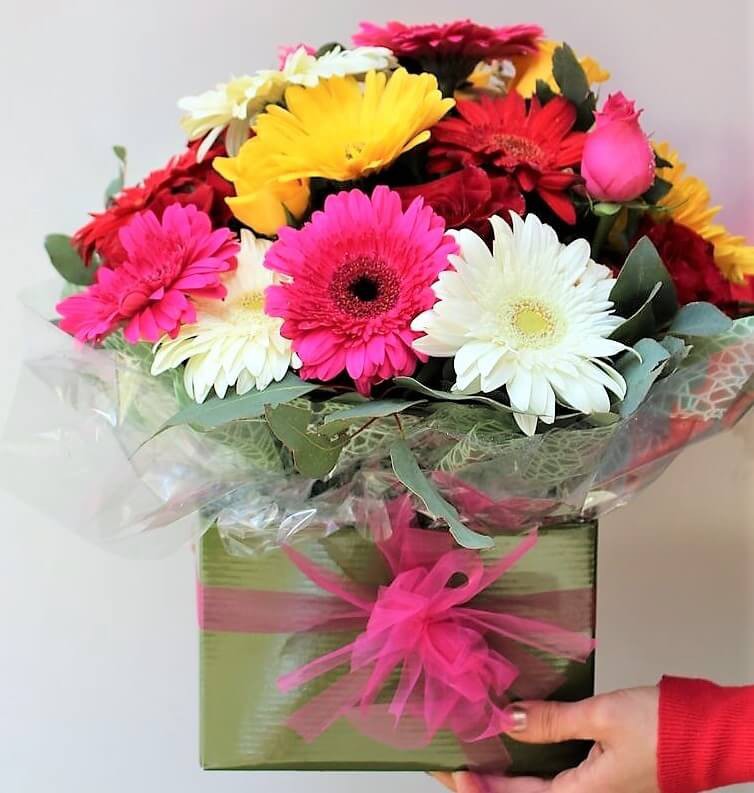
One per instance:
(67,262)
(659,189)
(606,208)
(602,419)
(570,75)
(641,323)
(678,350)
(325,48)
(407,469)
(641,374)
(661,162)
(216,412)
(700,319)
(643,269)
(374,409)
(574,85)
(448,396)
(544,92)
(116,185)
(315,455)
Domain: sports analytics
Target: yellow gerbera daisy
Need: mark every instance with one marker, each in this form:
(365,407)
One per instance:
(338,130)
(530,68)
(688,203)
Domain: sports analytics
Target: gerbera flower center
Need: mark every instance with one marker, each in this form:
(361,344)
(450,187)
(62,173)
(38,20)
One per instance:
(532,323)
(517,149)
(365,287)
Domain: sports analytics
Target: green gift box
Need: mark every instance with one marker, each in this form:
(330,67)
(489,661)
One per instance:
(244,714)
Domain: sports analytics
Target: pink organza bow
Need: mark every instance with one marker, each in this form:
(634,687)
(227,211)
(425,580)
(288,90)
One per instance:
(449,658)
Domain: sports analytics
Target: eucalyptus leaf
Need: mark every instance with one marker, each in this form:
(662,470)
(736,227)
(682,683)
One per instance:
(449,396)
(67,261)
(407,469)
(641,323)
(374,409)
(678,350)
(641,374)
(700,319)
(216,412)
(642,270)
(602,419)
(315,455)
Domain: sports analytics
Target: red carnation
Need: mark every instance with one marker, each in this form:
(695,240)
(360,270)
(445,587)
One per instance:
(182,181)
(535,145)
(460,39)
(467,198)
(690,260)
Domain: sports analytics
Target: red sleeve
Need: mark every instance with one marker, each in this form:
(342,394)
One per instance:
(706,735)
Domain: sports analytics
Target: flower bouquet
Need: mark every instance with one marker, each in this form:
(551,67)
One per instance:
(387,337)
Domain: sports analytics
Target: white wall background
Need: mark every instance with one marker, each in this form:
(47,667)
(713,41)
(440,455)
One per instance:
(98,662)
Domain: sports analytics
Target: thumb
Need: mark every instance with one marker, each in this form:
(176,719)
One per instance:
(554,722)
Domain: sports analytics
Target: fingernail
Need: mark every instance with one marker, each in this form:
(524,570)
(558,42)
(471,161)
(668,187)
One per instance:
(518,717)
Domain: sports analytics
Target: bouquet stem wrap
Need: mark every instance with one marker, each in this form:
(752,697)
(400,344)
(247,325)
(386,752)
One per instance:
(407,649)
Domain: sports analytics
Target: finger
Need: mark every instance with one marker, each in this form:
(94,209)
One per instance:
(478,783)
(445,778)
(554,722)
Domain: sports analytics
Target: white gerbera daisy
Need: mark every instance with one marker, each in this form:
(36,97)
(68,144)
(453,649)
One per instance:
(532,316)
(230,106)
(300,68)
(233,341)
(234,106)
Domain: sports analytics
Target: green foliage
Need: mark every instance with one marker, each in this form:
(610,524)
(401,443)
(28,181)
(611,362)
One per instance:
(544,92)
(659,189)
(574,85)
(116,185)
(407,469)
(377,408)
(314,454)
(217,412)
(640,373)
(449,396)
(700,319)
(67,262)
(637,297)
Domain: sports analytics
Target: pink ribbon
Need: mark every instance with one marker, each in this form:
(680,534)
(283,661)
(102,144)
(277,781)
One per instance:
(451,656)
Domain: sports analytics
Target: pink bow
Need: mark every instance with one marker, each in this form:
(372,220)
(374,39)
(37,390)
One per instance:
(450,659)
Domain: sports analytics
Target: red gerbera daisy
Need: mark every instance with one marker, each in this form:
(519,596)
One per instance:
(467,198)
(450,51)
(462,38)
(182,181)
(536,145)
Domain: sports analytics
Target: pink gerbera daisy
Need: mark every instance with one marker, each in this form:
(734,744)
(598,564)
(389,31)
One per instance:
(166,262)
(361,271)
(451,50)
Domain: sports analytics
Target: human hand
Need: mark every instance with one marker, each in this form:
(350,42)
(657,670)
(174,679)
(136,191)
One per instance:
(623,759)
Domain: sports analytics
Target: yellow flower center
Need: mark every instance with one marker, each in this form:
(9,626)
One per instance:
(251,302)
(531,323)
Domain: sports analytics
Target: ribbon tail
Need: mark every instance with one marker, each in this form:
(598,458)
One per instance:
(316,668)
(337,585)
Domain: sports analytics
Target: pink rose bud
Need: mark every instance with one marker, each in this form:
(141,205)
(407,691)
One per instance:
(618,163)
